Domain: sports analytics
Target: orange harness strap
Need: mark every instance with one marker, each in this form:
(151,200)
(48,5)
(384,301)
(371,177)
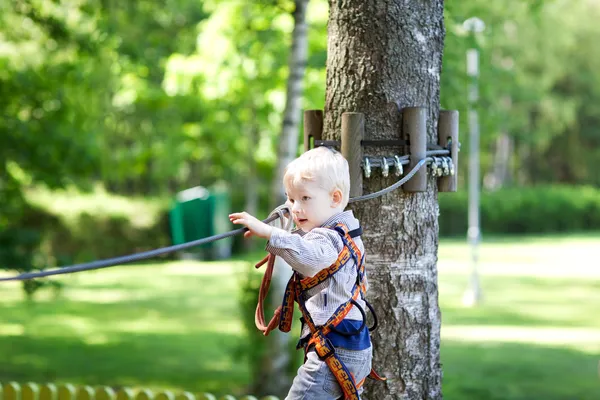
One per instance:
(259,315)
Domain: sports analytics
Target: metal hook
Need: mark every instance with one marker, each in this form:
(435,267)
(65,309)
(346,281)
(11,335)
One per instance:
(439,166)
(399,168)
(385,168)
(445,166)
(367,167)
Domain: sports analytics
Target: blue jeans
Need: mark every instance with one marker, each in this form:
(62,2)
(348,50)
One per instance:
(315,381)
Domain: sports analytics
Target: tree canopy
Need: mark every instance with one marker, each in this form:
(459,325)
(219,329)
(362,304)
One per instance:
(151,97)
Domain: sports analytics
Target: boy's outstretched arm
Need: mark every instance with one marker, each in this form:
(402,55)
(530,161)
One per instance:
(308,255)
(254,225)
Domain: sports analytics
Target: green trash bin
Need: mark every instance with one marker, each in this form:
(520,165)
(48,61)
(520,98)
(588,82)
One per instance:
(198,213)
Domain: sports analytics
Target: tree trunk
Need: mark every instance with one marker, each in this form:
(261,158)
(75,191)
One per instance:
(278,360)
(382,53)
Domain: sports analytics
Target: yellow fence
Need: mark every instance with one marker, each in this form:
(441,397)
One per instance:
(32,391)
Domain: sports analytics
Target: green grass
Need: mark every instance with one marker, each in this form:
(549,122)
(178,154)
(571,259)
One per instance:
(171,326)
(176,326)
(536,334)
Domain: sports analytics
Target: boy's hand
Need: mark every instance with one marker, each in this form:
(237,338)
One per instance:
(255,226)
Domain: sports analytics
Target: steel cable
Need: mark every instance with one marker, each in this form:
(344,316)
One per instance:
(276,214)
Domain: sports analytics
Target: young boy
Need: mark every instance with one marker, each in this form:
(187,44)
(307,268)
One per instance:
(317,187)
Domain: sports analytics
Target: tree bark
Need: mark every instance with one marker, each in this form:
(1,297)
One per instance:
(384,55)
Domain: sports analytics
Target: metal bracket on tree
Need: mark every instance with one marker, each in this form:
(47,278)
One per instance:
(441,158)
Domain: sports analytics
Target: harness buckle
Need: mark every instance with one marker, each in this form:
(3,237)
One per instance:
(330,349)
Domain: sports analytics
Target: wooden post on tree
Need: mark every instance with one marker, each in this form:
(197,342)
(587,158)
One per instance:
(381,52)
(353,127)
(414,126)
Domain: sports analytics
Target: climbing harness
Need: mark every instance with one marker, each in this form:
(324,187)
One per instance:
(296,288)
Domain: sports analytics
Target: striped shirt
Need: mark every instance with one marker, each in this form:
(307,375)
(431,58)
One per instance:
(310,252)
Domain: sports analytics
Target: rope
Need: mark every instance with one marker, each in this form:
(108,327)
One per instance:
(129,258)
(278,213)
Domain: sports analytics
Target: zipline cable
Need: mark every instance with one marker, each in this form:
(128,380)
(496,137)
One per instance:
(129,258)
(170,249)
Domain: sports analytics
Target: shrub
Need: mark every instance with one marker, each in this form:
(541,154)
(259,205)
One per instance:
(541,209)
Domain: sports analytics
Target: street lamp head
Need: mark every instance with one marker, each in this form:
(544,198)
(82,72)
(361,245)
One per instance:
(474,24)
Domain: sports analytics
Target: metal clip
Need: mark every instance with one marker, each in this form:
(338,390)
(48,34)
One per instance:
(451,166)
(385,168)
(440,168)
(433,167)
(445,166)
(367,168)
(398,165)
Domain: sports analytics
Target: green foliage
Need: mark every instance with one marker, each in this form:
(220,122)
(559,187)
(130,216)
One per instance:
(22,246)
(150,98)
(537,84)
(51,66)
(54,229)
(543,209)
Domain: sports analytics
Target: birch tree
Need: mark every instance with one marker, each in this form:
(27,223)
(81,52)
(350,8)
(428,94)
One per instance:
(288,139)
(382,56)
(278,361)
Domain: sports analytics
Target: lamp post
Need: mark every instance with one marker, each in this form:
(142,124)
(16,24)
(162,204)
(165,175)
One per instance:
(472,295)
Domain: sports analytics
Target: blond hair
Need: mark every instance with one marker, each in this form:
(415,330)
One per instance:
(324,166)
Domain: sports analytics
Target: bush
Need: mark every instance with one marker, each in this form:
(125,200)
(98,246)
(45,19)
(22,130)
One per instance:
(95,237)
(22,245)
(41,236)
(542,209)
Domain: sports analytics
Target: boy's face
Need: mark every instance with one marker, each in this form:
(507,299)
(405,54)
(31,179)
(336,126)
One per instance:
(311,205)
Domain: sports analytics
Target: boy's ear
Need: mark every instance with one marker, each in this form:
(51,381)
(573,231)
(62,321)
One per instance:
(336,197)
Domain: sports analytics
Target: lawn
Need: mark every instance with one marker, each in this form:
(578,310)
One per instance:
(537,333)
(176,325)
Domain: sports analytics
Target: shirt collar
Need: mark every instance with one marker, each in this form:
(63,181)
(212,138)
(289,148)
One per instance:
(344,217)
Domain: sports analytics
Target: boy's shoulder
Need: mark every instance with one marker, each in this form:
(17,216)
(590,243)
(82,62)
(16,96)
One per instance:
(345,218)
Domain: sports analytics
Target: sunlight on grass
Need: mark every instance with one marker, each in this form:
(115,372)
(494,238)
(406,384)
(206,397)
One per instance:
(583,339)
(515,371)
(565,256)
(177,325)
(174,325)
(536,333)
(11,329)
(105,296)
